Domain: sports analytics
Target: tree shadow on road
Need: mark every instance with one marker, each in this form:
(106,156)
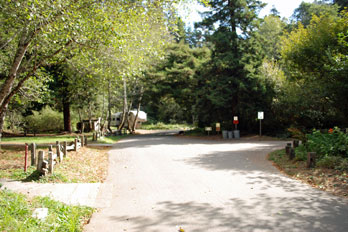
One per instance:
(299,214)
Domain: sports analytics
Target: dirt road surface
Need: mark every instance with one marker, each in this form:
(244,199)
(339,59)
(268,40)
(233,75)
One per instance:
(164,183)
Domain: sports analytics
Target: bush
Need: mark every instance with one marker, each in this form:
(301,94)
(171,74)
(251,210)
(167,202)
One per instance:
(334,143)
(47,120)
(329,162)
(331,149)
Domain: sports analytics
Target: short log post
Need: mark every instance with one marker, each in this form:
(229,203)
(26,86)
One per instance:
(292,153)
(40,160)
(86,141)
(26,158)
(50,162)
(287,149)
(59,153)
(75,144)
(82,141)
(295,143)
(311,159)
(33,154)
(93,138)
(44,169)
(50,148)
(65,149)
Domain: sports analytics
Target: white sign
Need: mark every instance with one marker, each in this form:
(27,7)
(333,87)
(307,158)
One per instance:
(260,115)
(235,118)
(208,129)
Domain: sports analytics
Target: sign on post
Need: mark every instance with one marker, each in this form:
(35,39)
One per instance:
(235,121)
(217,127)
(260,116)
(208,129)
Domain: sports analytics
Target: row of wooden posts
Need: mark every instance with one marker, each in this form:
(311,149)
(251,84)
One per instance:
(46,166)
(290,151)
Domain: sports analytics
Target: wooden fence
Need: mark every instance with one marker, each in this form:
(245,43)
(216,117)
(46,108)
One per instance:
(56,154)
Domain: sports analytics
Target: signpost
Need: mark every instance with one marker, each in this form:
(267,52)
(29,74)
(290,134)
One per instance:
(208,129)
(235,121)
(260,116)
(217,127)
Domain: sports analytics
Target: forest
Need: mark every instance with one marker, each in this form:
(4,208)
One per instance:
(62,62)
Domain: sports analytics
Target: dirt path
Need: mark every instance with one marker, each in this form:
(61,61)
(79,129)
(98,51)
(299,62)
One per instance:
(162,183)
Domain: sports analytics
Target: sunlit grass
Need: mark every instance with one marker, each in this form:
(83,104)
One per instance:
(16,214)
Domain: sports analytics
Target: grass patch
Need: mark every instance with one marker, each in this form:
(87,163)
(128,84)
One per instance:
(163,126)
(87,165)
(16,214)
(110,139)
(330,180)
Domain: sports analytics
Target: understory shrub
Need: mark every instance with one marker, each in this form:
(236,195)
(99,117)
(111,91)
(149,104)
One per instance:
(46,120)
(331,148)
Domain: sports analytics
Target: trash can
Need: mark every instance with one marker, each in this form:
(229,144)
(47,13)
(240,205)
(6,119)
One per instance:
(224,134)
(236,134)
(230,135)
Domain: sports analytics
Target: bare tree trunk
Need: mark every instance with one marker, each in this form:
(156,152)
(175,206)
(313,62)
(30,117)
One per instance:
(138,109)
(67,116)
(23,45)
(109,107)
(125,108)
(81,121)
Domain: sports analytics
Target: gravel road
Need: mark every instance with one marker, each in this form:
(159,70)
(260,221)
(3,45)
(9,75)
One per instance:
(162,183)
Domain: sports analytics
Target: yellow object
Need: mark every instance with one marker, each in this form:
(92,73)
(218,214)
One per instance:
(181,230)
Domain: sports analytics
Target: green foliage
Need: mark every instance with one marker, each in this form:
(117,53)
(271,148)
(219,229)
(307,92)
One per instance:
(47,120)
(330,162)
(16,214)
(331,148)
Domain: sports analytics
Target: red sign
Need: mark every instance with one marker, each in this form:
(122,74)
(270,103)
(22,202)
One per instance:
(235,122)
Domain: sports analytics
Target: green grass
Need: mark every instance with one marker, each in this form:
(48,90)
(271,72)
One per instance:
(39,139)
(32,175)
(163,126)
(16,214)
(110,139)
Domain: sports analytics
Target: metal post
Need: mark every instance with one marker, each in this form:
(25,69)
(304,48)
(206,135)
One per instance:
(260,128)
(26,158)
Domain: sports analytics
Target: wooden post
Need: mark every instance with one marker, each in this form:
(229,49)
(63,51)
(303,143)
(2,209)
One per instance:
(295,143)
(50,148)
(287,149)
(86,141)
(82,141)
(59,154)
(75,143)
(93,137)
(65,150)
(26,158)
(33,154)
(40,160)
(292,153)
(50,162)
(311,156)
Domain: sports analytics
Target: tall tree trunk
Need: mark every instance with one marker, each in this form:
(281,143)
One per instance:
(81,121)
(67,116)
(23,45)
(138,109)
(109,107)
(2,120)
(125,107)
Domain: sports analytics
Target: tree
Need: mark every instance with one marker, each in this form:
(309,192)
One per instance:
(305,11)
(314,56)
(229,85)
